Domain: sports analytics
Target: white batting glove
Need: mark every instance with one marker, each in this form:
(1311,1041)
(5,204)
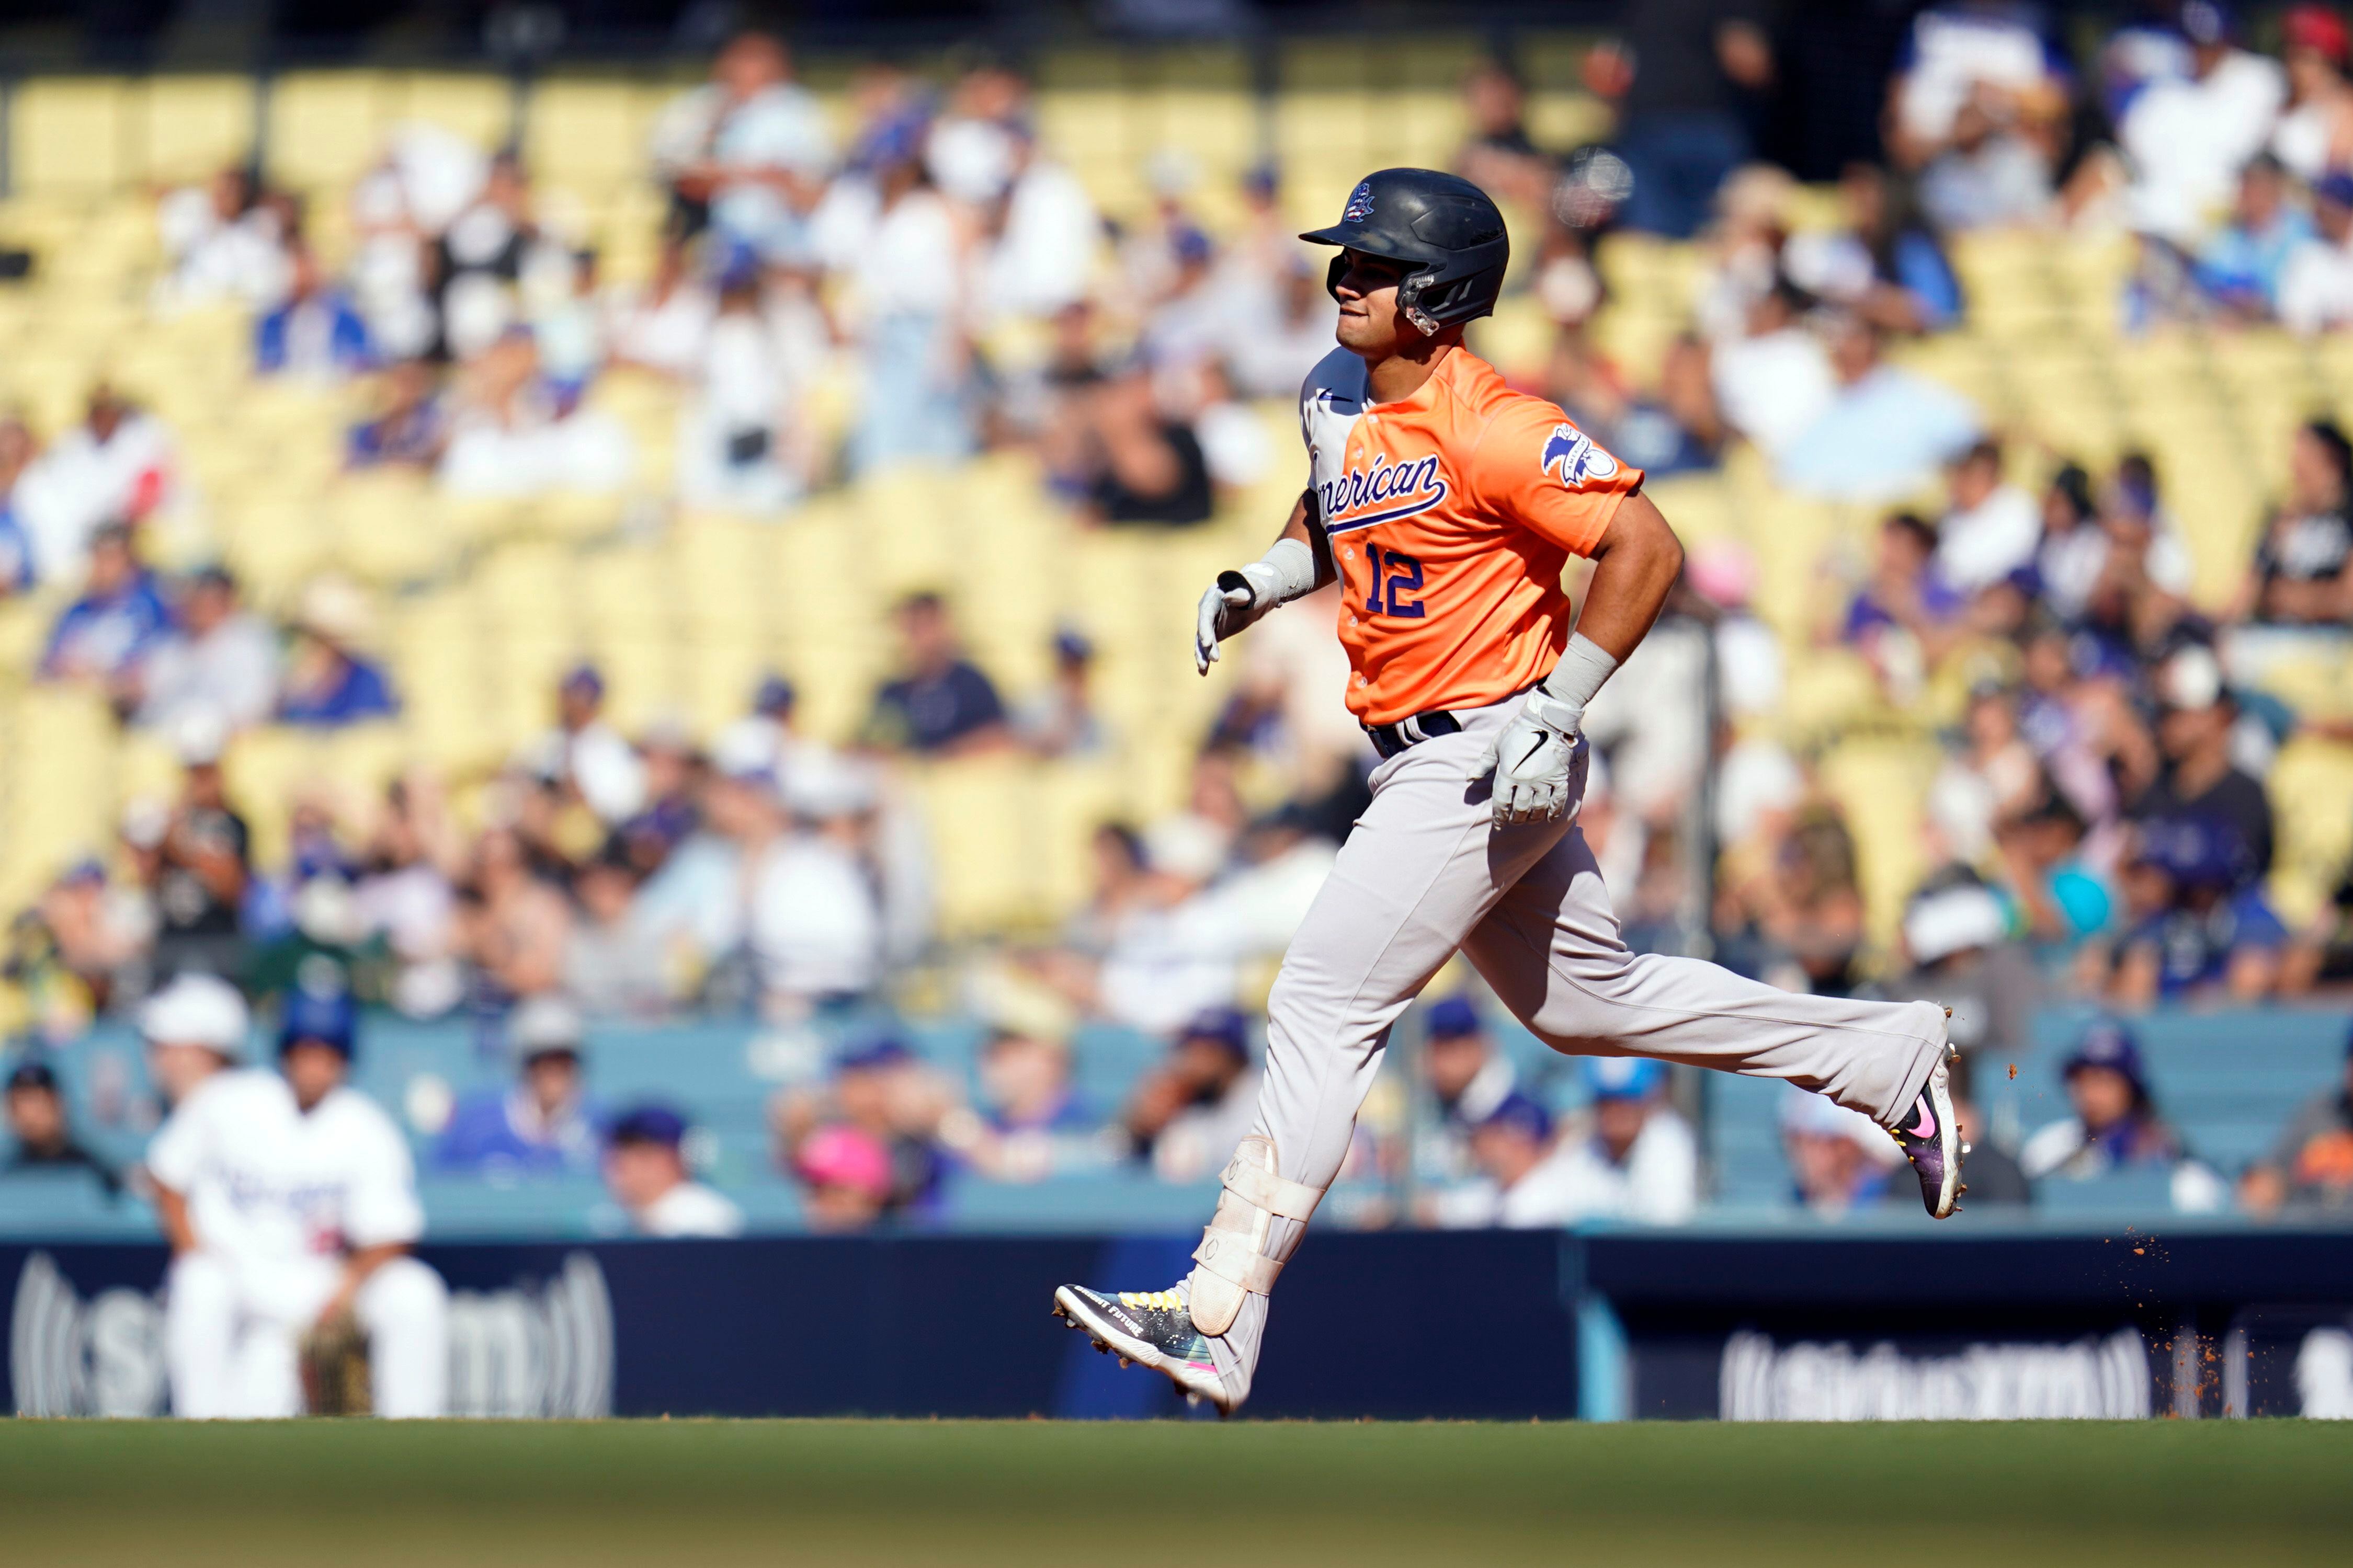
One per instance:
(1227,608)
(1539,762)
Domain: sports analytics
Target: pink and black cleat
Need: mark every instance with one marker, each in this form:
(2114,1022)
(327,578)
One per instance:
(1931,1139)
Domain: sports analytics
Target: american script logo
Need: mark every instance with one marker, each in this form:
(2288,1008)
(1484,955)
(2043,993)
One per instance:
(1382,493)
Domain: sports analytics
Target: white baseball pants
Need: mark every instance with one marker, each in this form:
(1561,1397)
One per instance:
(1428,872)
(231,1327)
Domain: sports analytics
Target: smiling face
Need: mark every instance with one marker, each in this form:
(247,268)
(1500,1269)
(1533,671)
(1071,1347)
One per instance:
(1371,325)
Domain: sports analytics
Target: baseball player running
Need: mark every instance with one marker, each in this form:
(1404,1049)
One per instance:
(290,1206)
(1446,505)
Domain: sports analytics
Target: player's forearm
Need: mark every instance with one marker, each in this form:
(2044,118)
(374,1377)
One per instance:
(172,1210)
(1302,527)
(1634,567)
(366,1261)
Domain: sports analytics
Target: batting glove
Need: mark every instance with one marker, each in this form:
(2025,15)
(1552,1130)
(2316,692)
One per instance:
(1286,572)
(1539,762)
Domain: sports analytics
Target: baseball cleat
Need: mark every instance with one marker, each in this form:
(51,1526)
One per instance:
(1154,1328)
(1931,1139)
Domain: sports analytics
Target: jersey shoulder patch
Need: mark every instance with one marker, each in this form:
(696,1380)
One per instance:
(1575,459)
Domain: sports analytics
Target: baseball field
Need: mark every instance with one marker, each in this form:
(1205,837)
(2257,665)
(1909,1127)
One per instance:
(1190,1493)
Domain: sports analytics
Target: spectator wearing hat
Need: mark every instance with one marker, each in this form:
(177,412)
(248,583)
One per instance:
(1061,721)
(1187,1114)
(1957,932)
(1468,1077)
(2199,779)
(645,1170)
(1839,1160)
(45,1140)
(585,755)
(1636,1158)
(846,1179)
(108,632)
(2310,1165)
(2116,1125)
(884,1092)
(543,1123)
(2315,133)
(2184,138)
(2188,928)
(219,657)
(328,682)
(940,704)
(1523,1182)
(2316,282)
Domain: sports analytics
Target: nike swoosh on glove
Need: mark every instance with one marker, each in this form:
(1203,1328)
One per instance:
(1539,762)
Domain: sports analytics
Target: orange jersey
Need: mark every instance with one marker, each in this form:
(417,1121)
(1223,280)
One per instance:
(1450,515)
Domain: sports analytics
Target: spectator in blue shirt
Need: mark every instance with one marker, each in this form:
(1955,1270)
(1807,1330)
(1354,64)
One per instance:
(2239,269)
(944,706)
(316,332)
(327,684)
(1886,431)
(543,1123)
(103,635)
(2190,924)
(409,428)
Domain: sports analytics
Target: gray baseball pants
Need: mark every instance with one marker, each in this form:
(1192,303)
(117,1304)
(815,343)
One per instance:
(1427,872)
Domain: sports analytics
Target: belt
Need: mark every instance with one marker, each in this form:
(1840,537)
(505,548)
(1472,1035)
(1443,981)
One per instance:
(1388,739)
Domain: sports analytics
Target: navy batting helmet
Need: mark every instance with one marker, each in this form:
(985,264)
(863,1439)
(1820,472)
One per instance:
(1445,229)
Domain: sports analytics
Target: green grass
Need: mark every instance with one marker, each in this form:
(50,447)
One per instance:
(1282,1495)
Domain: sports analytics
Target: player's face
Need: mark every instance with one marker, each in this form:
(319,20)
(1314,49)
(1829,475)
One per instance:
(313,1071)
(1370,323)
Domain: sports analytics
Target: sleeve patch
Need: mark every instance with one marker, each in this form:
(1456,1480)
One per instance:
(1572,454)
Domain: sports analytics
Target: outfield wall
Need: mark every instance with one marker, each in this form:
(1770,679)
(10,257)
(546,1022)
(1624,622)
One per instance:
(1498,1325)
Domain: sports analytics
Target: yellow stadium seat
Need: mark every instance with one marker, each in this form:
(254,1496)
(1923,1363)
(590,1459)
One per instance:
(476,105)
(188,127)
(589,135)
(326,127)
(70,137)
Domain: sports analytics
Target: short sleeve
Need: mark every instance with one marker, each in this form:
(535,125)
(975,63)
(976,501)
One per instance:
(1536,467)
(383,1202)
(176,1157)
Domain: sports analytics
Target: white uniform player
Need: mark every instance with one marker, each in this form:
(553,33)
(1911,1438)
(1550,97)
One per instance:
(284,1213)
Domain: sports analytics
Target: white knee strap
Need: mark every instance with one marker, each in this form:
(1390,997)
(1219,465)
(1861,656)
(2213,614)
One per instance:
(1234,1258)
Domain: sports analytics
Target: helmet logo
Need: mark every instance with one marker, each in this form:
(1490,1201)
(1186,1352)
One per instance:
(1578,459)
(1360,202)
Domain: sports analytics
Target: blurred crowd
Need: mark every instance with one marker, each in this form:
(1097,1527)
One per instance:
(934,284)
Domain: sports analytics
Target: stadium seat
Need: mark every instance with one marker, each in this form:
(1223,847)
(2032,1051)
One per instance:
(70,137)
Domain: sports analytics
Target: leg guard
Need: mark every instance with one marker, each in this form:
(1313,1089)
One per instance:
(1234,1258)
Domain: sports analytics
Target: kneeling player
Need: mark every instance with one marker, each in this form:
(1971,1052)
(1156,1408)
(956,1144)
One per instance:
(290,1204)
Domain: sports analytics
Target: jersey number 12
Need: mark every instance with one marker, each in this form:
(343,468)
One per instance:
(1395,576)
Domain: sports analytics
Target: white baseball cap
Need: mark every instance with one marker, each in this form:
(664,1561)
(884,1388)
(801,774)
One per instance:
(196,1010)
(543,1024)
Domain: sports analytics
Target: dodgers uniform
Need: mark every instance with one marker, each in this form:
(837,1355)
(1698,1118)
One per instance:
(276,1198)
